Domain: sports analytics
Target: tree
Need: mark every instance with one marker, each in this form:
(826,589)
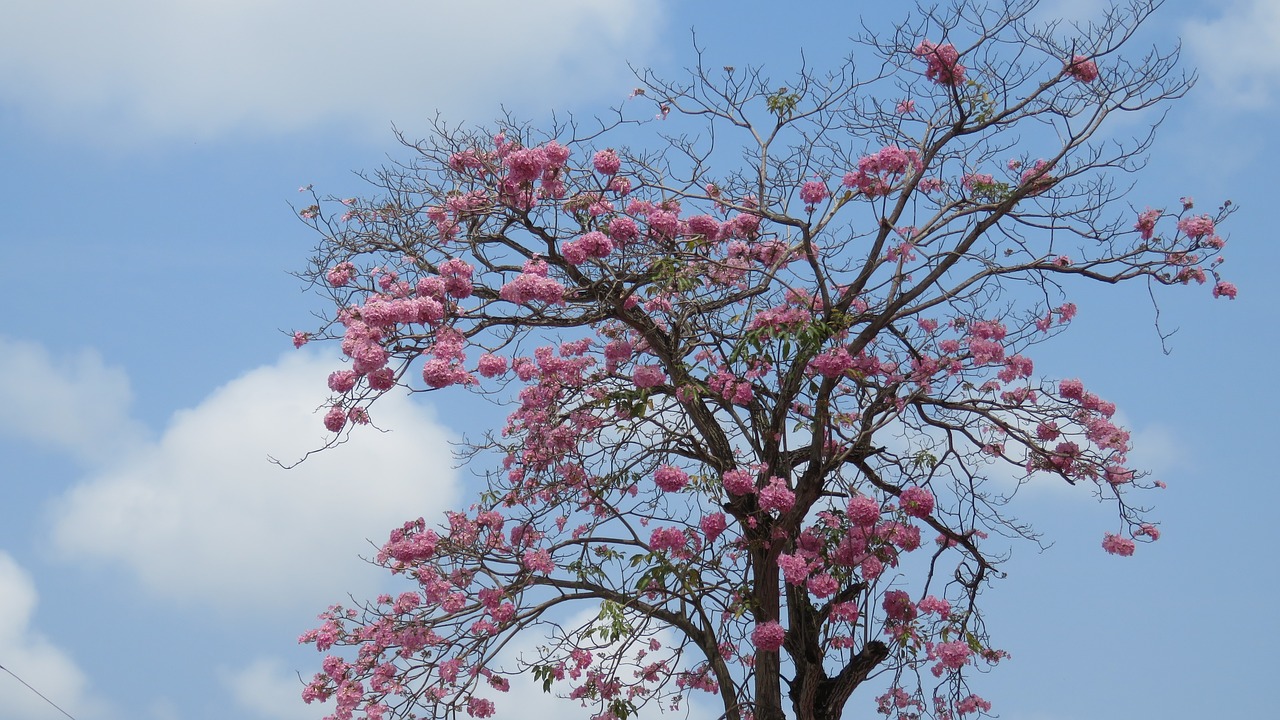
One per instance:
(771,412)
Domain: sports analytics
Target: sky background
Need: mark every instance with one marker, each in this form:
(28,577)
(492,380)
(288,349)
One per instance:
(155,566)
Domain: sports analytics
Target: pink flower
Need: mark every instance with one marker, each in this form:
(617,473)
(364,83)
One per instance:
(844,612)
(795,569)
(944,67)
(823,585)
(670,478)
(438,373)
(768,636)
(951,655)
(704,225)
(670,540)
(479,707)
(833,363)
(300,338)
(934,605)
(1146,224)
(1082,69)
(606,162)
(713,526)
(814,192)
(1225,289)
(916,502)
(972,704)
(863,511)
(623,230)
(977,181)
(335,419)
(648,376)
(525,165)
(898,607)
(340,274)
(739,482)
(1117,545)
(538,561)
(382,379)
(492,365)
(906,107)
(1196,226)
(533,284)
(592,245)
(1047,430)
(776,496)
(1071,389)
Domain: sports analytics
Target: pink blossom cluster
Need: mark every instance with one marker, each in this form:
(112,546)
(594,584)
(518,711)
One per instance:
(898,608)
(897,700)
(713,525)
(877,173)
(606,162)
(1082,68)
(768,636)
(973,704)
(670,478)
(780,319)
(934,605)
(448,356)
(776,496)
(730,387)
(916,502)
(976,182)
(1037,177)
(832,363)
(812,193)
(648,376)
(1117,545)
(533,285)
(1196,226)
(594,244)
(672,541)
(943,63)
(739,482)
(950,656)
(1146,225)
(528,164)
(340,275)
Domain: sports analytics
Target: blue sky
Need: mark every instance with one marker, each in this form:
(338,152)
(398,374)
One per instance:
(155,566)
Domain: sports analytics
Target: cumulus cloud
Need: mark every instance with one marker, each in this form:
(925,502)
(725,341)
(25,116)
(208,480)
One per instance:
(201,515)
(205,67)
(1235,52)
(31,656)
(73,404)
(265,690)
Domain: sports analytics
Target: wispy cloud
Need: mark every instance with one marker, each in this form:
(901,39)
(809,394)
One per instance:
(31,656)
(195,68)
(265,689)
(74,404)
(201,515)
(1236,51)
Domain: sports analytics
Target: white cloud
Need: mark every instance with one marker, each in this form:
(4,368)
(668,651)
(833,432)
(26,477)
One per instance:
(205,67)
(31,656)
(265,690)
(201,515)
(74,404)
(1235,52)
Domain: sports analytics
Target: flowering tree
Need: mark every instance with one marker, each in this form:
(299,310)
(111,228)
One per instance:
(770,410)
